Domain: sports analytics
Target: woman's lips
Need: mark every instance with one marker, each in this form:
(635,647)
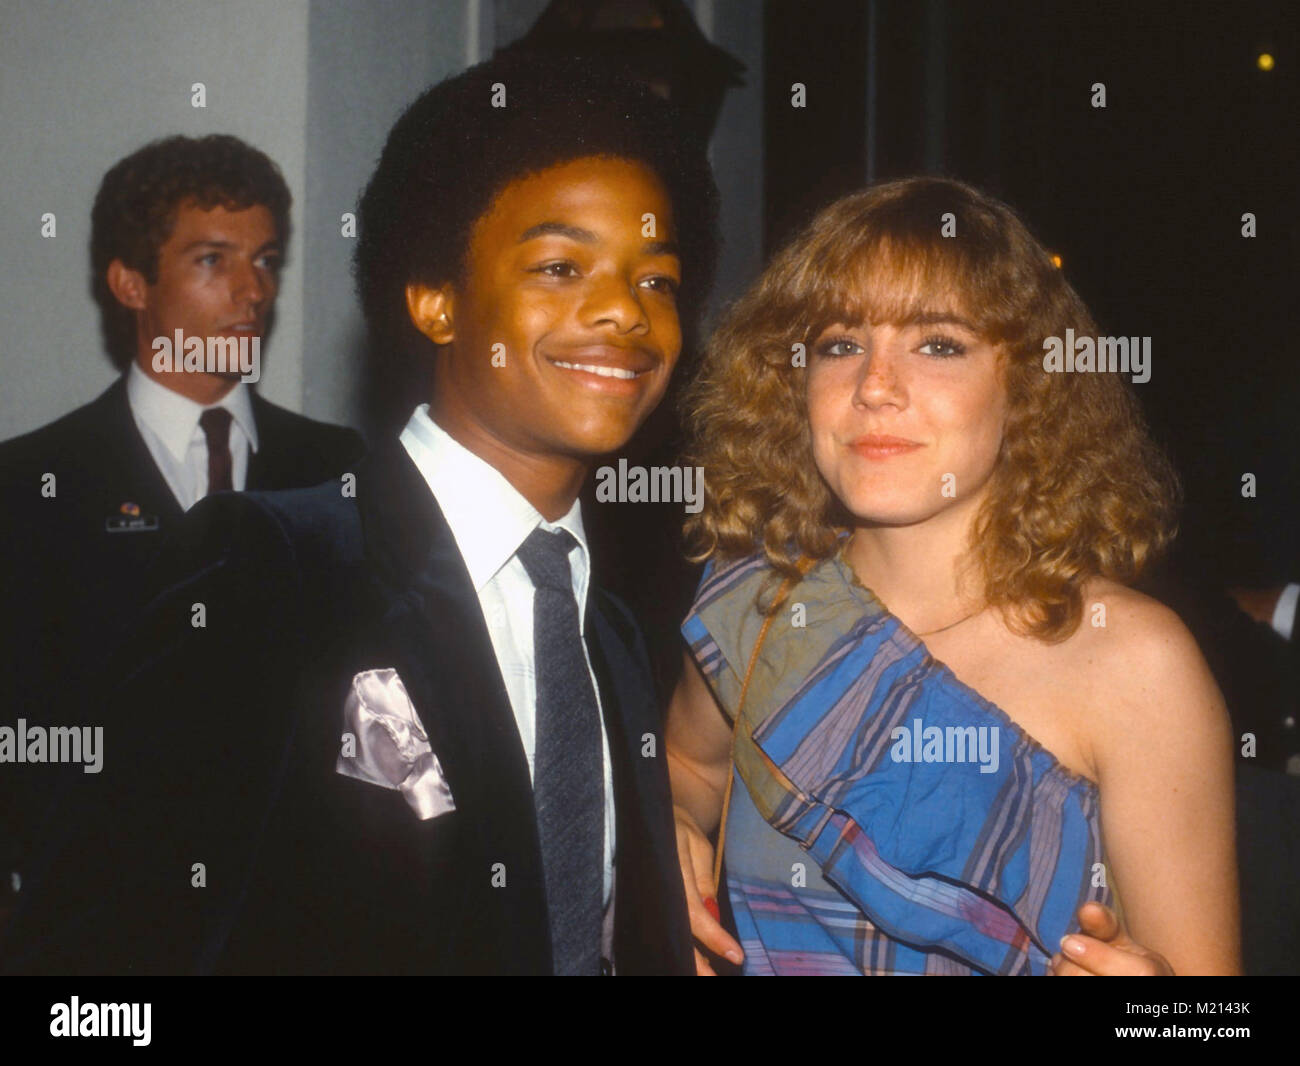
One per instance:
(877,446)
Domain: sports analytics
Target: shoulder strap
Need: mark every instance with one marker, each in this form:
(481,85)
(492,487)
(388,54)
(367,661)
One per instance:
(805,564)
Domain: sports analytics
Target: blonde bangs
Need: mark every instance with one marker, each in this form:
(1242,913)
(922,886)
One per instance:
(897,278)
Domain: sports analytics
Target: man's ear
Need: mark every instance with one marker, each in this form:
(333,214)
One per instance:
(431,311)
(127,285)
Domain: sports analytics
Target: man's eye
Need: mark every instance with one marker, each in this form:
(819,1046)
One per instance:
(210,259)
(662,283)
(561,268)
(271,263)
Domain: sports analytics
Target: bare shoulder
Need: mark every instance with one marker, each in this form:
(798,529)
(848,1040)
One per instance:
(1123,626)
(1143,667)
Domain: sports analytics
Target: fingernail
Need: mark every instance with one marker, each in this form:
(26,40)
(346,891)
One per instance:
(1072,946)
(711,905)
(733,956)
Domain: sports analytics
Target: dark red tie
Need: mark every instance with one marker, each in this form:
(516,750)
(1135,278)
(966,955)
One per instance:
(216,427)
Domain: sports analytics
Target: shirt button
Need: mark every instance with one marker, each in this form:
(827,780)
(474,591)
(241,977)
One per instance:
(1289,721)
(606,967)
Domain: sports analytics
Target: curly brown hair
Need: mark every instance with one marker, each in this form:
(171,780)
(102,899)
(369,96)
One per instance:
(1079,488)
(135,210)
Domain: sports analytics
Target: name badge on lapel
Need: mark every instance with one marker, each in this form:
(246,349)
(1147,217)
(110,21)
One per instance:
(129,520)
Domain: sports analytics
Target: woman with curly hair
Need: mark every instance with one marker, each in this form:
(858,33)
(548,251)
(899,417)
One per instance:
(949,728)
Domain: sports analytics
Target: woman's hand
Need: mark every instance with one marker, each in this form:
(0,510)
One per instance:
(695,854)
(1103,949)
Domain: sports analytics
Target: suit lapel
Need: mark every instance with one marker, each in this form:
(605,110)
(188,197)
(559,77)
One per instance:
(434,628)
(262,472)
(651,934)
(138,479)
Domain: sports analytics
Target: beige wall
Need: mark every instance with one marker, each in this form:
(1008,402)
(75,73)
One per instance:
(315,84)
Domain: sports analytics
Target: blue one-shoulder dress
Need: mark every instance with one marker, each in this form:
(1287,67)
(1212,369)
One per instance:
(885,818)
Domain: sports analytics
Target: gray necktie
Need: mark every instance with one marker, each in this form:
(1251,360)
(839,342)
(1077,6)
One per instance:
(568,773)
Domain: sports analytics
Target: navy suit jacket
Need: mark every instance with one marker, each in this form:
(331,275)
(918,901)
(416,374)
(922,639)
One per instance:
(221,751)
(74,565)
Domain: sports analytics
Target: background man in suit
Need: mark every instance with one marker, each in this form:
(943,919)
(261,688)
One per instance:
(412,736)
(187,235)
(1277,724)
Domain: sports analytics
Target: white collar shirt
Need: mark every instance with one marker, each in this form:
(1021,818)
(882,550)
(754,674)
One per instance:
(169,424)
(490,519)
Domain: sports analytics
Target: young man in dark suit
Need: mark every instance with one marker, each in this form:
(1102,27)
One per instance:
(410,735)
(187,235)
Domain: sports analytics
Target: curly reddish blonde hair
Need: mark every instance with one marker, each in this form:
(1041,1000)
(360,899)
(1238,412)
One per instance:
(1079,488)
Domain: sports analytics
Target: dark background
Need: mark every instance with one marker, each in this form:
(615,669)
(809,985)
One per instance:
(1142,200)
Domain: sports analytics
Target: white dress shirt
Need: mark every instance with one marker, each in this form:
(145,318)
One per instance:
(169,424)
(490,520)
(1284,612)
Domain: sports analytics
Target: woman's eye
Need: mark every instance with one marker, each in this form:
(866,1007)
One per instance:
(942,347)
(839,346)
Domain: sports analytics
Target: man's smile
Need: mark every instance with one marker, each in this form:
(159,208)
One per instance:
(602,371)
(607,367)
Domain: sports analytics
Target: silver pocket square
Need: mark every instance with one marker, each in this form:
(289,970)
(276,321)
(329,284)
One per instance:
(392,750)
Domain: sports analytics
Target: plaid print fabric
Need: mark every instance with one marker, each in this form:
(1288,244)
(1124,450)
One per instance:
(885,817)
